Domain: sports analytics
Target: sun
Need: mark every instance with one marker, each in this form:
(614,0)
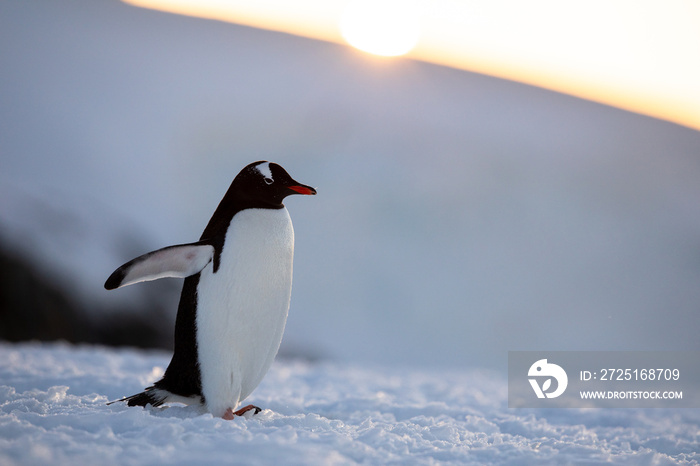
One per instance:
(381,27)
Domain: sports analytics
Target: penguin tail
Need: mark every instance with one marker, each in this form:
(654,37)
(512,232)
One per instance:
(146,397)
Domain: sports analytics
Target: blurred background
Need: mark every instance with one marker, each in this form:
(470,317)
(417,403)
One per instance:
(458,216)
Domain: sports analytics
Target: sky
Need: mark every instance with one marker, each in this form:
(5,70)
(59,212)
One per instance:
(636,55)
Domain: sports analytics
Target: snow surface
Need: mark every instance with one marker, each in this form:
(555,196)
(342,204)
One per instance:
(53,410)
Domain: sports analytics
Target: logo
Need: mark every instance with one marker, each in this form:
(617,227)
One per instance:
(542,369)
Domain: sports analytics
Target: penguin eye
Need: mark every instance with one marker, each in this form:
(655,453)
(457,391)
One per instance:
(268,180)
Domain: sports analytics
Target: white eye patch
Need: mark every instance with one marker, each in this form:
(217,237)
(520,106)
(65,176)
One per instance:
(264,170)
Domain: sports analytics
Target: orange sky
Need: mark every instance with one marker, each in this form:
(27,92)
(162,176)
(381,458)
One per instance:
(639,55)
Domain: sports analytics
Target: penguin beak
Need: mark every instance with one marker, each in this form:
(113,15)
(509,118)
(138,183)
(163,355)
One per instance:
(302,189)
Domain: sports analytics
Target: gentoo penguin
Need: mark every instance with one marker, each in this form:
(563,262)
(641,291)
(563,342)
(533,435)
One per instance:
(235,298)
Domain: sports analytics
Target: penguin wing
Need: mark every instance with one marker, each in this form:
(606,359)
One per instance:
(178,261)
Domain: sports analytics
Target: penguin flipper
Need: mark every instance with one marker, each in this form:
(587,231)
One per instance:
(178,261)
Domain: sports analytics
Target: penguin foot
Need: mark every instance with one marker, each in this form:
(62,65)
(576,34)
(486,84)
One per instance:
(230,413)
(245,409)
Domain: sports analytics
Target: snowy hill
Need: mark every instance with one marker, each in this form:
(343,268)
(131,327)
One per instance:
(458,216)
(53,411)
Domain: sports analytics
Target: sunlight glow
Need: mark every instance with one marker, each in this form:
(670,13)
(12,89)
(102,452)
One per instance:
(639,55)
(381,27)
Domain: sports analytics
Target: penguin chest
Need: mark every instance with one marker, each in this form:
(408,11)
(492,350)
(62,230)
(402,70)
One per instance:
(242,307)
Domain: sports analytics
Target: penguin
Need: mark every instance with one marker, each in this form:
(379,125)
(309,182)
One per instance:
(235,297)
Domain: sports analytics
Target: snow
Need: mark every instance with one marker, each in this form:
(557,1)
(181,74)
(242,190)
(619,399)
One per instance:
(53,410)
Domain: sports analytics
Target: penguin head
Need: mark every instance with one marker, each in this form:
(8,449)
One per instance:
(269,183)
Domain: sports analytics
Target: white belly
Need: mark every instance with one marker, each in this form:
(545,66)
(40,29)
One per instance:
(242,308)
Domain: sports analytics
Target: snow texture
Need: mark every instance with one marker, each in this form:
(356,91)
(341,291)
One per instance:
(53,410)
